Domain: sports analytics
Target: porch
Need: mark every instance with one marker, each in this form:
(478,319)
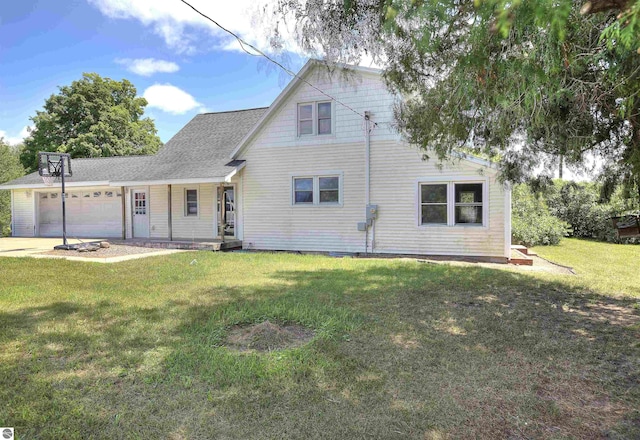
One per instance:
(202,245)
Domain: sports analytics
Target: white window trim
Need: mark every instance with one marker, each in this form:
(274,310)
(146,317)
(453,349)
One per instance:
(185,213)
(314,119)
(316,188)
(451,206)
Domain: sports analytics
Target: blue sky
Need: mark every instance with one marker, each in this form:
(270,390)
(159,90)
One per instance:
(182,64)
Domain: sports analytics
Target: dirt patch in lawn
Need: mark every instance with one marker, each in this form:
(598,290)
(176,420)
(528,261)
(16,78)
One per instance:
(268,336)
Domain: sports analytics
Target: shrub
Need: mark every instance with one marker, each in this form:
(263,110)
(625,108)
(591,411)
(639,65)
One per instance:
(579,205)
(532,223)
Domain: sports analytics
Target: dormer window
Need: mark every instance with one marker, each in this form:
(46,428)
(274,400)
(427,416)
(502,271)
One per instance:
(315,118)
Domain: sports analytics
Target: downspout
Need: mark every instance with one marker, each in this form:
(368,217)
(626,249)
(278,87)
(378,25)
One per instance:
(367,175)
(13,221)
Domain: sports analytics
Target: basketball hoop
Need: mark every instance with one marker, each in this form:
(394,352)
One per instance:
(53,166)
(48,180)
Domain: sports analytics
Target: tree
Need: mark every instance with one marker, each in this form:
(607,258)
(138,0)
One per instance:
(528,82)
(93,117)
(10,169)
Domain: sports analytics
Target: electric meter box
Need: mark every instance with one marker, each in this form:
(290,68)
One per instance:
(372,212)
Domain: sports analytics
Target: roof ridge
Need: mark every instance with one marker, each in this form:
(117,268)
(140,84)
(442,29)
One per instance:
(112,157)
(234,111)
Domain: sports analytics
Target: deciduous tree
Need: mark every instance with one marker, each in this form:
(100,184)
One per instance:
(10,168)
(92,117)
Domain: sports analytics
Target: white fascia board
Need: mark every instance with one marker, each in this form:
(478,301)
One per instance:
(274,105)
(228,177)
(474,159)
(167,181)
(55,185)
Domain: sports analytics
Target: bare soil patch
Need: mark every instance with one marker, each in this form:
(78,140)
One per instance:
(268,336)
(113,251)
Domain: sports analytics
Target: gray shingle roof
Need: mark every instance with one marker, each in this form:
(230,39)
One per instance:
(200,150)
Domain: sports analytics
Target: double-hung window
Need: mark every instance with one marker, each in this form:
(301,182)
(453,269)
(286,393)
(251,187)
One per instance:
(191,202)
(315,118)
(317,190)
(452,203)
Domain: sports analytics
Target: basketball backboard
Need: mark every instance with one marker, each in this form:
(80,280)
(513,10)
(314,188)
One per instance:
(50,164)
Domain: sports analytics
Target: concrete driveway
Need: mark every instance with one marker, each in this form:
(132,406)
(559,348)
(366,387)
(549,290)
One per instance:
(22,247)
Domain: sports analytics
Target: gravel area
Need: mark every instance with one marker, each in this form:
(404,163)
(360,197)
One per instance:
(115,250)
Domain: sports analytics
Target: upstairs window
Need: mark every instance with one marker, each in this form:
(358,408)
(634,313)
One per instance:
(315,118)
(305,119)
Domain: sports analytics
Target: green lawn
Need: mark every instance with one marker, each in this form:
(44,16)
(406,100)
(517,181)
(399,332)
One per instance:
(610,268)
(402,350)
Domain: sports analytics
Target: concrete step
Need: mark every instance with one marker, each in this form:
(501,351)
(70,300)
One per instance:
(214,245)
(520,258)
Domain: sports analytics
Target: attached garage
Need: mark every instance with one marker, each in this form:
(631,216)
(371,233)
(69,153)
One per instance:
(90,213)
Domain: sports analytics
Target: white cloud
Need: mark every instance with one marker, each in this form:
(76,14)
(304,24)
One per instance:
(185,31)
(15,140)
(148,66)
(171,99)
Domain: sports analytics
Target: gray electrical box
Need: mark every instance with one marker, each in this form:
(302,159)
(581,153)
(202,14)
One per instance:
(372,212)
(362,226)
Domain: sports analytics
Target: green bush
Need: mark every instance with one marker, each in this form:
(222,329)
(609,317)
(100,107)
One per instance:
(579,205)
(531,222)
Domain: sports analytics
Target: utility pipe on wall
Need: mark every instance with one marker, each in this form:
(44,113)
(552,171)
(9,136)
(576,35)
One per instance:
(367,172)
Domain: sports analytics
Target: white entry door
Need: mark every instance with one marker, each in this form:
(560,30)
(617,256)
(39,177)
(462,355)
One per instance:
(140,213)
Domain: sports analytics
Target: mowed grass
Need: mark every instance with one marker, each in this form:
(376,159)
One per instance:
(605,267)
(402,350)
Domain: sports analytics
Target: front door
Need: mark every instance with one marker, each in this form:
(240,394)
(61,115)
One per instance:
(229,212)
(140,212)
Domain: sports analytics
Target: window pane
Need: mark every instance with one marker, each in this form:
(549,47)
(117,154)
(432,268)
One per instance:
(304,197)
(305,127)
(192,209)
(469,214)
(329,196)
(434,214)
(324,110)
(304,184)
(324,126)
(305,112)
(329,183)
(468,192)
(192,195)
(434,193)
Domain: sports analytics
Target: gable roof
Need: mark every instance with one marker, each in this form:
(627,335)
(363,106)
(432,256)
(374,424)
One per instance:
(293,84)
(199,152)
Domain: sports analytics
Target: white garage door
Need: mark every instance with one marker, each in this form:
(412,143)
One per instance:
(95,213)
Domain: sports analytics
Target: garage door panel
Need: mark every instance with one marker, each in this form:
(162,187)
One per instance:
(89,214)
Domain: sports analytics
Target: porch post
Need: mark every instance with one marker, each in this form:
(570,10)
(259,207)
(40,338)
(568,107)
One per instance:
(124,213)
(221,211)
(169,220)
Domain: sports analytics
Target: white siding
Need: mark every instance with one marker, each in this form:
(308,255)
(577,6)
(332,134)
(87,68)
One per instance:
(271,221)
(361,92)
(201,227)
(23,213)
(276,154)
(158,210)
(396,171)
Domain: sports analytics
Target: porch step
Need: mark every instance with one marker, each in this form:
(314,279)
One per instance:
(520,258)
(214,245)
(523,249)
